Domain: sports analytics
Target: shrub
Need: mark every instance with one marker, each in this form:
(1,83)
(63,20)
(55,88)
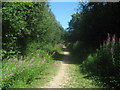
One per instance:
(105,63)
(80,49)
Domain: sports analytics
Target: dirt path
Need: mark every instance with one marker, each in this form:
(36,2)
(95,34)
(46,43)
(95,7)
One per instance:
(61,78)
(69,75)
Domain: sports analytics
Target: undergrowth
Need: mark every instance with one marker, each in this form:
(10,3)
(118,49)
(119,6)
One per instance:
(104,64)
(21,72)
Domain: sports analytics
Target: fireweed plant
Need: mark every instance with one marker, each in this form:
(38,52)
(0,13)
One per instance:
(105,63)
(20,73)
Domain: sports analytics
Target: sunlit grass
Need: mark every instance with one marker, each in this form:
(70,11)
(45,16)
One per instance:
(77,79)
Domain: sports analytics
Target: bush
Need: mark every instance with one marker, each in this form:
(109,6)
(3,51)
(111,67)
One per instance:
(80,49)
(105,63)
(89,66)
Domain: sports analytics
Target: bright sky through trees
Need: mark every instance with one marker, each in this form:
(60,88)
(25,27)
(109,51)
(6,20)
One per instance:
(63,11)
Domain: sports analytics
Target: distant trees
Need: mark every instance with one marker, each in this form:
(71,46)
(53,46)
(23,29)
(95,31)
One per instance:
(93,21)
(25,23)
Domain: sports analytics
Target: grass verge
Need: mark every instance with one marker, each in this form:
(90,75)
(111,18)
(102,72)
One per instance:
(48,75)
(76,78)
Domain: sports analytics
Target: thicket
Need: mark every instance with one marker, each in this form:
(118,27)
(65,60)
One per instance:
(88,30)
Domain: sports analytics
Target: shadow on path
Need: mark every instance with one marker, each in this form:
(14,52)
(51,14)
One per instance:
(69,59)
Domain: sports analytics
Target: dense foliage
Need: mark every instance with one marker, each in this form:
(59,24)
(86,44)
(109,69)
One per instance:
(93,21)
(88,31)
(28,25)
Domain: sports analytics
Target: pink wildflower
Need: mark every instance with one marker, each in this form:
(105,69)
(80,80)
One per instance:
(32,59)
(11,74)
(38,54)
(5,77)
(113,39)
(22,70)
(43,60)
(108,39)
(15,60)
